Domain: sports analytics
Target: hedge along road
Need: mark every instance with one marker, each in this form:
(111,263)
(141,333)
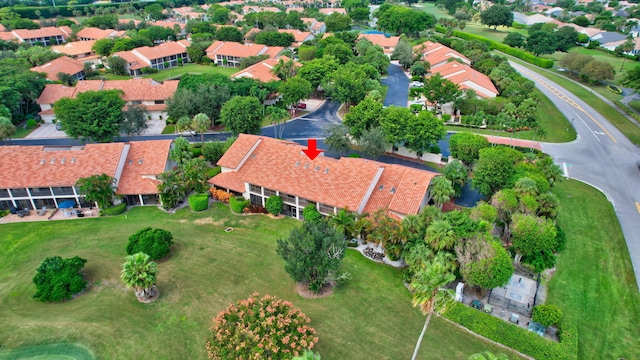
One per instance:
(601,156)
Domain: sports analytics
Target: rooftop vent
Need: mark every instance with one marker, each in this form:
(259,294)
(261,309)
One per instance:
(326,171)
(306,166)
(317,168)
(53,160)
(64,160)
(73,160)
(130,162)
(393,190)
(42,162)
(297,163)
(380,187)
(253,156)
(140,162)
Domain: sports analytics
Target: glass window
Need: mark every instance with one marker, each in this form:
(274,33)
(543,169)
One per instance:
(326,209)
(4,193)
(288,198)
(40,191)
(269,192)
(66,190)
(254,188)
(19,192)
(255,199)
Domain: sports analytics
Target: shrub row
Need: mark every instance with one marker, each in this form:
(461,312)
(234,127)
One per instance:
(628,110)
(199,202)
(494,45)
(115,210)
(516,337)
(238,204)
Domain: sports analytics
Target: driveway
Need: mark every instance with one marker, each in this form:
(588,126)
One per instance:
(601,157)
(46,131)
(397,87)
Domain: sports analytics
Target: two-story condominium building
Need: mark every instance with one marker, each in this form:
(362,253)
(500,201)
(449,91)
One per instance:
(92,33)
(163,56)
(298,36)
(437,54)
(230,53)
(76,49)
(387,43)
(146,92)
(46,36)
(467,78)
(262,71)
(44,176)
(258,167)
(65,65)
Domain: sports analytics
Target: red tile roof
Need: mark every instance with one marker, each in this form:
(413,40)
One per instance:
(163,50)
(231,48)
(436,53)
(75,48)
(299,36)
(145,160)
(7,36)
(262,70)
(133,89)
(97,34)
(40,166)
(49,31)
(329,11)
(63,64)
(344,183)
(467,78)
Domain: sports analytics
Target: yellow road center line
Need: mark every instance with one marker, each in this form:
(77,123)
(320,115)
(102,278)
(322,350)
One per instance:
(638,206)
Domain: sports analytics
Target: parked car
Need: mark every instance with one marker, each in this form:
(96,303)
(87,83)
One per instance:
(58,126)
(417,84)
(301,106)
(189,133)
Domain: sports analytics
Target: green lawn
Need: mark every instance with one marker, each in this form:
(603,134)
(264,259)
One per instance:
(617,62)
(21,132)
(369,317)
(628,128)
(177,72)
(635,105)
(595,284)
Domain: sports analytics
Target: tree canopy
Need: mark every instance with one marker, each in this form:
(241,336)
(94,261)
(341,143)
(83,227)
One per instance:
(497,15)
(98,188)
(363,116)
(466,146)
(242,114)
(494,168)
(59,279)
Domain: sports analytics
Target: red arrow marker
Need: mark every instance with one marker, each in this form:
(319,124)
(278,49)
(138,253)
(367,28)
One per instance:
(311,150)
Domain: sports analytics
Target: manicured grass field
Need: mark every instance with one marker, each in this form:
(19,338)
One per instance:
(629,129)
(177,72)
(595,284)
(369,317)
(635,105)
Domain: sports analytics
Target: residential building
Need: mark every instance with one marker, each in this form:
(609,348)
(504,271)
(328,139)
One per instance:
(606,37)
(437,54)
(254,9)
(315,27)
(63,64)
(44,176)
(613,45)
(262,71)
(46,36)
(146,92)
(467,78)
(92,33)
(331,10)
(387,43)
(230,53)
(299,36)
(76,49)
(258,167)
(163,56)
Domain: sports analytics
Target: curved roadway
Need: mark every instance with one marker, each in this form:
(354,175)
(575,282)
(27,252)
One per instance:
(601,156)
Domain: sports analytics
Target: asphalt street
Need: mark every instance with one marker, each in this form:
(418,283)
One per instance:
(601,156)
(397,87)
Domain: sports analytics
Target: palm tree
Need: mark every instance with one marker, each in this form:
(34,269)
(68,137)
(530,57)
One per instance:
(183,124)
(284,69)
(201,124)
(344,222)
(139,273)
(278,117)
(440,235)
(441,190)
(429,293)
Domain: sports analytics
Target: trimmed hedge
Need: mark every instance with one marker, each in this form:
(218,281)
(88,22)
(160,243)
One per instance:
(274,205)
(516,337)
(199,202)
(494,45)
(238,204)
(115,210)
(154,242)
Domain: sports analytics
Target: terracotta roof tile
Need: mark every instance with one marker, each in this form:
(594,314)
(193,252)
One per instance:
(329,11)
(262,70)
(381,40)
(48,31)
(63,64)
(75,48)
(231,48)
(93,33)
(344,183)
(133,89)
(299,36)
(7,36)
(145,160)
(436,54)
(468,78)
(168,48)
(39,166)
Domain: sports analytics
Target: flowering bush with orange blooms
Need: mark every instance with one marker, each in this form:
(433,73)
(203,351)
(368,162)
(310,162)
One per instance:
(264,328)
(220,195)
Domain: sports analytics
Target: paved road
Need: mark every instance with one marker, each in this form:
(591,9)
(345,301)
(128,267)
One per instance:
(398,87)
(601,156)
(312,125)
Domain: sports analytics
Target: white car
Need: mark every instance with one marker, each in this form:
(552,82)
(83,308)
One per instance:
(189,133)
(417,84)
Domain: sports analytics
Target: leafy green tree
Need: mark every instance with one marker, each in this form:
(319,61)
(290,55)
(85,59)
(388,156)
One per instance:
(497,15)
(401,20)
(242,114)
(294,90)
(19,86)
(93,115)
(348,84)
(197,51)
(135,120)
(373,143)
(337,22)
(624,48)
(387,232)
(484,262)
(546,314)
(360,15)
(37,55)
(375,57)
(425,131)
(337,137)
(394,123)
(274,205)
(139,273)
(228,33)
(441,190)
(154,12)
(97,188)
(274,38)
(494,168)
(154,242)
(514,39)
(310,213)
(597,71)
(59,279)
(203,98)
(158,33)
(340,51)
(440,235)
(285,70)
(439,91)
(317,71)
(566,38)
(458,174)
(117,65)
(7,129)
(582,21)
(535,239)
(312,253)
(404,54)
(278,118)
(194,175)
(171,188)
(541,42)
(201,124)
(363,116)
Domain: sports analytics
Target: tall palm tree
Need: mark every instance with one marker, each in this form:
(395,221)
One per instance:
(201,123)
(278,117)
(284,69)
(344,222)
(440,235)
(441,190)
(429,293)
(139,273)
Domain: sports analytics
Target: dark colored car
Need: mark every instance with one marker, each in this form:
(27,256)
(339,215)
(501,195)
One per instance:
(301,106)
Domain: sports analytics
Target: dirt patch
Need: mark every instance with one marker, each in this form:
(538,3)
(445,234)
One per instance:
(182,221)
(303,290)
(276,217)
(203,221)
